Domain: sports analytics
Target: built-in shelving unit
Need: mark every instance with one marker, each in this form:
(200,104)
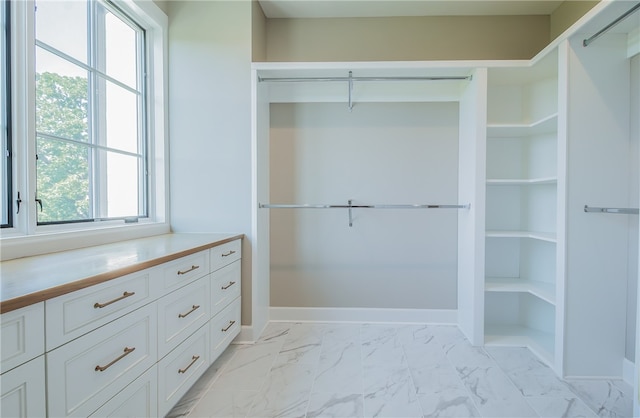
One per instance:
(522,198)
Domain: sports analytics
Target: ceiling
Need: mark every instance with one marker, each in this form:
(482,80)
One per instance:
(385,8)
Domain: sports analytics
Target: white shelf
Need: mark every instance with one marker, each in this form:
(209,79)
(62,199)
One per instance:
(545,125)
(542,236)
(544,291)
(521,182)
(541,343)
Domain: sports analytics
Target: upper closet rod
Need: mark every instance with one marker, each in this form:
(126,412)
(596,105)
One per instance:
(630,211)
(350,79)
(351,206)
(595,36)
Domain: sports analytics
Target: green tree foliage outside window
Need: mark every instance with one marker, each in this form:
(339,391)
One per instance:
(62,166)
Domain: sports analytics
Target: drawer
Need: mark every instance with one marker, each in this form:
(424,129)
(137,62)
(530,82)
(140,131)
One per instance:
(179,370)
(72,315)
(21,336)
(182,312)
(139,399)
(225,286)
(224,328)
(85,373)
(23,391)
(184,270)
(225,254)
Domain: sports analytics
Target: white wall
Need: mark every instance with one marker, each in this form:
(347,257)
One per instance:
(381,153)
(210,122)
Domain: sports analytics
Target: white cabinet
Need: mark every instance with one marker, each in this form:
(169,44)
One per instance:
(179,370)
(22,378)
(23,390)
(181,313)
(179,272)
(138,399)
(524,195)
(225,286)
(130,345)
(21,336)
(85,373)
(74,314)
(224,328)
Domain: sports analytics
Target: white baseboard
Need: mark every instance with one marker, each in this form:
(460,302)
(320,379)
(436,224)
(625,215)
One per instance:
(628,371)
(368,315)
(246,335)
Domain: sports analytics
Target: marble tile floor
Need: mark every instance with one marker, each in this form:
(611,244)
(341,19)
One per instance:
(377,370)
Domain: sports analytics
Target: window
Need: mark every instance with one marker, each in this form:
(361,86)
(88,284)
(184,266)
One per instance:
(5,118)
(90,120)
(88,153)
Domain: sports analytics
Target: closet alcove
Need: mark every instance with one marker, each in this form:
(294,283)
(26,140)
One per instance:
(396,135)
(536,142)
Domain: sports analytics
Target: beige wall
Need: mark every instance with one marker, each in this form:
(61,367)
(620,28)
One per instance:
(406,38)
(567,14)
(163,4)
(258,33)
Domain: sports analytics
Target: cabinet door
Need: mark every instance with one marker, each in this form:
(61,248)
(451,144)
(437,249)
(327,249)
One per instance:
(74,314)
(85,373)
(180,369)
(184,270)
(224,328)
(225,254)
(21,336)
(139,399)
(23,391)
(225,286)
(182,312)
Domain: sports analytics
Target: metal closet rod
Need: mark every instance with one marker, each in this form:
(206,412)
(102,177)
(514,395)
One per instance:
(357,206)
(628,211)
(596,35)
(351,206)
(351,78)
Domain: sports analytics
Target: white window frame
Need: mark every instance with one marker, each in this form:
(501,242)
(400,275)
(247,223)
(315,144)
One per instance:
(27,238)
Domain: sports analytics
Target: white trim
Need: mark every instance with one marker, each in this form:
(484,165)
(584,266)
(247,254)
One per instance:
(369,315)
(28,245)
(628,371)
(245,336)
(25,238)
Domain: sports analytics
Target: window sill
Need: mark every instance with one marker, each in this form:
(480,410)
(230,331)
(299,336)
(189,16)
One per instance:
(18,246)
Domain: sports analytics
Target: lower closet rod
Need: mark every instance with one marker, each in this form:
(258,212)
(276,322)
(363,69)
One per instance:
(628,211)
(350,206)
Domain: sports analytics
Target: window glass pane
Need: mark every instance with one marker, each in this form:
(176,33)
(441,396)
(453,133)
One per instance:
(121,125)
(120,60)
(122,192)
(61,97)
(63,25)
(62,181)
(89,119)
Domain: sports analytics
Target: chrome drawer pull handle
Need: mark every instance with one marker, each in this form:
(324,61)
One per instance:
(193,267)
(184,315)
(193,360)
(228,254)
(127,351)
(228,286)
(124,296)
(229,326)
